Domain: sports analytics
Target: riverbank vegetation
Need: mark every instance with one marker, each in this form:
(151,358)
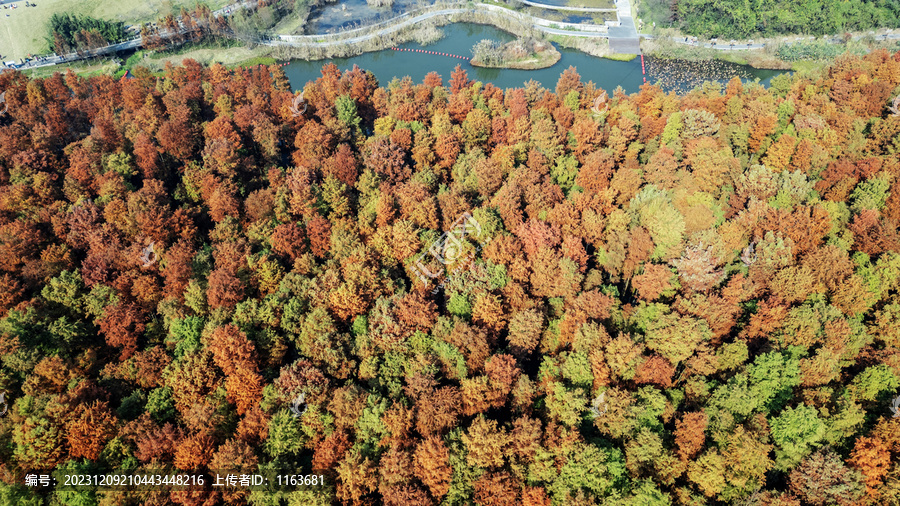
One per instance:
(405,33)
(809,50)
(235,56)
(83,68)
(424,32)
(745,19)
(446,292)
(251,24)
(522,53)
(594,46)
(778,54)
(428,34)
(621,57)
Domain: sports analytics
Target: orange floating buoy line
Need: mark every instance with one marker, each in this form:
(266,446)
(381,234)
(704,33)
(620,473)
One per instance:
(643,70)
(430,52)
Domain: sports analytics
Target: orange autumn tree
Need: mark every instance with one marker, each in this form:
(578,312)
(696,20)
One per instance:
(661,298)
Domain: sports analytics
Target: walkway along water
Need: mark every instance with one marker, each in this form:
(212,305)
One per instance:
(623,39)
(120,46)
(459,38)
(318,40)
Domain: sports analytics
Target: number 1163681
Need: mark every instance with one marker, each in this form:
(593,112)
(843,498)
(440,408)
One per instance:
(300,479)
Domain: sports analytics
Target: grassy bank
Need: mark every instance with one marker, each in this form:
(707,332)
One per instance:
(229,56)
(85,68)
(594,46)
(621,57)
(425,33)
(25,31)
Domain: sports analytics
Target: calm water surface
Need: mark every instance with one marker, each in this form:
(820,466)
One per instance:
(459,39)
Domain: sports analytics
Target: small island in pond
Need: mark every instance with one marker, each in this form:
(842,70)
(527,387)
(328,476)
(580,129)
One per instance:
(526,54)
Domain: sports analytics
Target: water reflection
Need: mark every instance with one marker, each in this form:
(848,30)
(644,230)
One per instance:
(348,14)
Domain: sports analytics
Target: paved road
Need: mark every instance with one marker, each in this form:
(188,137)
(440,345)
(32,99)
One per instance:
(623,39)
(565,8)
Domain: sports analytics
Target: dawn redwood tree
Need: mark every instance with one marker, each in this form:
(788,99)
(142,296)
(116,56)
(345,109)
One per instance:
(707,279)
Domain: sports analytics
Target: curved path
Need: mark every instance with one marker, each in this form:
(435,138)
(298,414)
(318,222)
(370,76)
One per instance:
(623,38)
(120,46)
(319,40)
(315,40)
(565,8)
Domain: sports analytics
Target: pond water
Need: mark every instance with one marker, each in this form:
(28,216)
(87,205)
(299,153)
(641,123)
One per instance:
(348,14)
(459,39)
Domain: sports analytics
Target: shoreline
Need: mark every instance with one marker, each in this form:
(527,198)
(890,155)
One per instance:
(771,53)
(666,46)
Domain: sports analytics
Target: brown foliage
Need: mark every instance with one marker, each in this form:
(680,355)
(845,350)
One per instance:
(330,451)
(89,428)
(157,444)
(194,452)
(496,489)
(653,282)
(319,232)
(655,371)
(689,434)
(432,466)
(438,411)
(289,239)
(873,458)
(122,324)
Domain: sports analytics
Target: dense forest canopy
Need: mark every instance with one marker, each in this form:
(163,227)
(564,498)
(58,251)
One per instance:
(661,299)
(742,19)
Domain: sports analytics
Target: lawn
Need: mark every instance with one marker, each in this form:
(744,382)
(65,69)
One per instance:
(23,31)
